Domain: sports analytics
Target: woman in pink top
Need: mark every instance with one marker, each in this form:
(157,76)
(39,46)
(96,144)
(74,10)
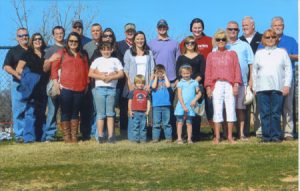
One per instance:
(222,78)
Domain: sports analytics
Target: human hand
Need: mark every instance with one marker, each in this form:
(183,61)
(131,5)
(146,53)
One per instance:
(130,113)
(235,90)
(193,103)
(208,92)
(285,90)
(54,57)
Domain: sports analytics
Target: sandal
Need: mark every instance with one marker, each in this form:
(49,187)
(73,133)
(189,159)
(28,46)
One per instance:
(179,142)
(216,141)
(231,141)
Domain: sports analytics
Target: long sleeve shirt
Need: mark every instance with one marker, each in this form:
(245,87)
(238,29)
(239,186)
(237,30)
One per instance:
(272,69)
(222,65)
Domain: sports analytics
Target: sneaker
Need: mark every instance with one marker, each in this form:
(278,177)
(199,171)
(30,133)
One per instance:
(101,140)
(155,141)
(19,140)
(168,140)
(111,140)
(289,138)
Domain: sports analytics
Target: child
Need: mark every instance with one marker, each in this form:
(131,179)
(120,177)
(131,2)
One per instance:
(138,109)
(161,103)
(188,94)
(106,71)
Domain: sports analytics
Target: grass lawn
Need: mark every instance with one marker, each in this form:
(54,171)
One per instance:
(152,166)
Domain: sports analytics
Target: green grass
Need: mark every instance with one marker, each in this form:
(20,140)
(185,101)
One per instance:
(161,166)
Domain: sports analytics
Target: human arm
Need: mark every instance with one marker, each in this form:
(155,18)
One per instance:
(197,97)
(114,76)
(130,112)
(288,74)
(20,66)
(167,81)
(11,71)
(180,98)
(47,62)
(154,82)
(148,107)
(250,83)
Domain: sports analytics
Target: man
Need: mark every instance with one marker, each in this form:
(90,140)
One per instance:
(253,38)
(124,45)
(88,116)
(291,46)
(78,27)
(246,58)
(49,130)
(10,63)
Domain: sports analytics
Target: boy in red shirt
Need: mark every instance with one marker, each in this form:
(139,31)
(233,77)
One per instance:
(138,109)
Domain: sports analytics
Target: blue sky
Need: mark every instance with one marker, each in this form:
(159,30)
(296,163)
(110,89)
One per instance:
(146,13)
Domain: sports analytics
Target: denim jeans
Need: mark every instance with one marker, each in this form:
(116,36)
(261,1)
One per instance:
(139,130)
(270,109)
(70,102)
(161,116)
(87,115)
(18,108)
(50,128)
(104,98)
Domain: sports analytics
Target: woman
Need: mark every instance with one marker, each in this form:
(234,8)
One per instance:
(138,60)
(71,84)
(196,61)
(272,76)
(222,79)
(33,76)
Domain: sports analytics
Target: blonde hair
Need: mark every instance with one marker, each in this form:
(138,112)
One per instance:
(139,78)
(185,67)
(219,34)
(269,32)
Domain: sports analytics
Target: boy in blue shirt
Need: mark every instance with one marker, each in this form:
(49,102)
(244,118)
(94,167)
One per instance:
(161,103)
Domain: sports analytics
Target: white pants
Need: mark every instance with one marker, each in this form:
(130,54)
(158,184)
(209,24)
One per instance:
(223,93)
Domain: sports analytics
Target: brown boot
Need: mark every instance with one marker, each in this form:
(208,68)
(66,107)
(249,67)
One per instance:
(74,129)
(66,131)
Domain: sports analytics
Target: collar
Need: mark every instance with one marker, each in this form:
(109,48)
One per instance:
(129,42)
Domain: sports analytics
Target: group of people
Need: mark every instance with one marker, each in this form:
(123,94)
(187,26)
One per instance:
(157,83)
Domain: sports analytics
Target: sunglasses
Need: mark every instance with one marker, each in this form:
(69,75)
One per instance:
(77,26)
(73,41)
(233,29)
(22,35)
(37,39)
(270,37)
(221,39)
(190,43)
(107,36)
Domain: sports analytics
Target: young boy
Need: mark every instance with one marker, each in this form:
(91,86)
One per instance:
(138,109)
(161,103)
(106,71)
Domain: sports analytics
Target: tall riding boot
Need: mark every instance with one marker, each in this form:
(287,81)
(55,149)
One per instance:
(74,130)
(66,131)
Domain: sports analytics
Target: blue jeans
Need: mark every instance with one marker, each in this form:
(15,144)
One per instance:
(161,115)
(18,108)
(104,98)
(139,130)
(70,102)
(51,127)
(270,109)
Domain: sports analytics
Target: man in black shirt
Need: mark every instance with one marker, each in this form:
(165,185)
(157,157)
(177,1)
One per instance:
(10,63)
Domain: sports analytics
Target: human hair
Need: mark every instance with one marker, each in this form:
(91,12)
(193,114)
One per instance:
(276,19)
(79,47)
(113,42)
(185,67)
(197,20)
(159,67)
(133,48)
(219,34)
(21,29)
(269,32)
(248,18)
(233,22)
(139,78)
(186,40)
(96,24)
(31,40)
(104,45)
(58,27)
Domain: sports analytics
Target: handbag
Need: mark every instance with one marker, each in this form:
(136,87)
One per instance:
(199,108)
(51,91)
(249,96)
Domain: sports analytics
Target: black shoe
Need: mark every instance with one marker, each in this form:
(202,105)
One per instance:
(101,140)
(19,140)
(276,140)
(264,141)
(111,140)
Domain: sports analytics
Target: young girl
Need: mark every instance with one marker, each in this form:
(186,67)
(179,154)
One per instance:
(106,70)
(188,94)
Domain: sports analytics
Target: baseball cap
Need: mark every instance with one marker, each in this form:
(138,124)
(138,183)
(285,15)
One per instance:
(129,26)
(79,22)
(162,22)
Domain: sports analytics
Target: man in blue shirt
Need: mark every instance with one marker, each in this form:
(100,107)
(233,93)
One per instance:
(78,27)
(291,46)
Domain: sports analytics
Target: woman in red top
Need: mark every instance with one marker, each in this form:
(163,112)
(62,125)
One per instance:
(73,63)
(222,79)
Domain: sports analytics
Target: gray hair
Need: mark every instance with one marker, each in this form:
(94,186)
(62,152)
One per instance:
(249,18)
(276,19)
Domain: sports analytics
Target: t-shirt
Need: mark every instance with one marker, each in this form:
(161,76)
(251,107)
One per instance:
(139,100)
(51,50)
(107,65)
(161,94)
(204,45)
(141,62)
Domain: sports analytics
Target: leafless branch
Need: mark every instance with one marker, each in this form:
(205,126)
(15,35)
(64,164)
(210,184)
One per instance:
(16,7)
(24,13)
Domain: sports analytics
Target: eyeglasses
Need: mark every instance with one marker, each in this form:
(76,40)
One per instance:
(107,36)
(22,35)
(77,26)
(190,43)
(221,39)
(270,37)
(73,41)
(233,29)
(37,39)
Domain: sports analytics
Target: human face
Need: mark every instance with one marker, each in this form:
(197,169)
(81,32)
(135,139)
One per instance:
(73,43)
(78,28)
(107,36)
(248,27)
(232,31)
(139,40)
(278,27)
(37,42)
(270,40)
(96,32)
(160,74)
(129,34)
(162,30)
(106,52)
(139,85)
(185,74)
(190,45)
(59,35)
(221,42)
(197,30)
(22,37)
